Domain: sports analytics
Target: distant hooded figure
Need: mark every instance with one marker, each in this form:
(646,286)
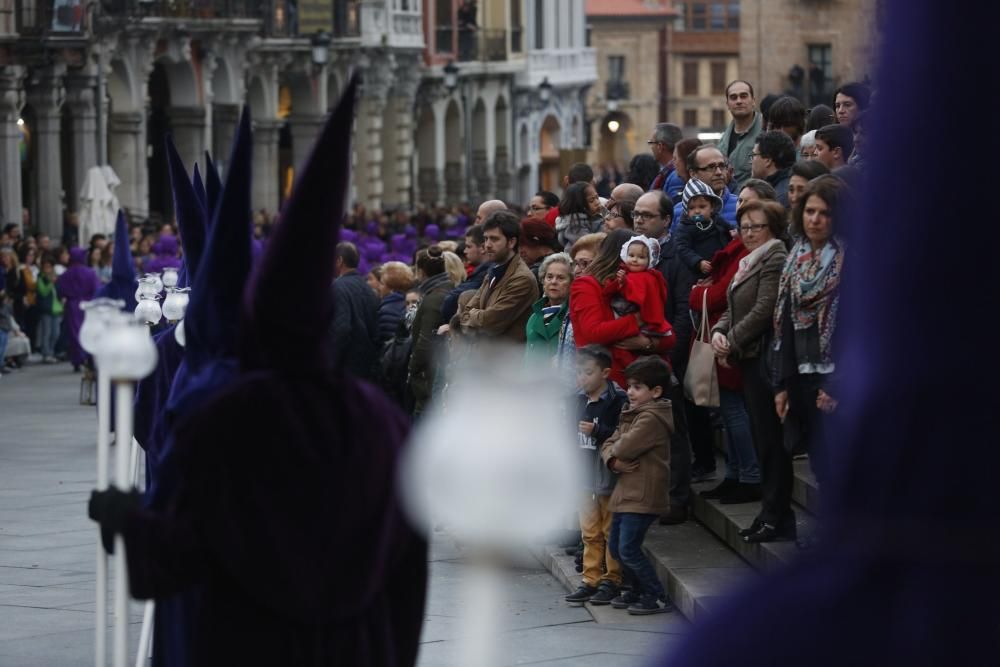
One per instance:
(77,284)
(122,285)
(165,254)
(285,510)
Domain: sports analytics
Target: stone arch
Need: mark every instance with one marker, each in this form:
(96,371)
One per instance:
(158,124)
(550,143)
(428,177)
(454,165)
(227,99)
(501,155)
(481,141)
(184,88)
(575,138)
(121,90)
(613,132)
(261,100)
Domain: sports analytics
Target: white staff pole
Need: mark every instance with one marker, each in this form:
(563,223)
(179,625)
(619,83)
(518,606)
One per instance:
(124,393)
(103,450)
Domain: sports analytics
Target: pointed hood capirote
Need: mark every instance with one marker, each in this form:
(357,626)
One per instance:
(213,186)
(122,285)
(289,303)
(189,211)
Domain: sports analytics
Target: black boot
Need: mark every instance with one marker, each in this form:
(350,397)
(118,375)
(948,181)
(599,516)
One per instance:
(725,487)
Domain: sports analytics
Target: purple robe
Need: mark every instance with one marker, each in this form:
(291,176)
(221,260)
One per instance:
(77,284)
(165,255)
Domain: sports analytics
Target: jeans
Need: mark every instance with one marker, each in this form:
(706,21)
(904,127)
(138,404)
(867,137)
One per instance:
(4,335)
(628,531)
(595,528)
(48,334)
(741,461)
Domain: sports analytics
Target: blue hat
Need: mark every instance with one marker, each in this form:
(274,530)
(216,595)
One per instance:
(122,285)
(289,304)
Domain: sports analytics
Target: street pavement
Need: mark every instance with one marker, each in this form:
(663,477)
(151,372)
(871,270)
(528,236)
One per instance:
(47,559)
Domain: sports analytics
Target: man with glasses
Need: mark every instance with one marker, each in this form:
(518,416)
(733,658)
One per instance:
(620,205)
(707,164)
(661,145)
(651,216)
(541,204)
(737,141)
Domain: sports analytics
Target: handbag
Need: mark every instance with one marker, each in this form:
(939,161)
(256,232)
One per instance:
(701,379)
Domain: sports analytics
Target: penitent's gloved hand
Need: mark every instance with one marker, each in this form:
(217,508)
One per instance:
(111,508)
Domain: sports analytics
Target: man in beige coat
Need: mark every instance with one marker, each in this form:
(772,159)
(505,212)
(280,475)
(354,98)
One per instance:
(500,308)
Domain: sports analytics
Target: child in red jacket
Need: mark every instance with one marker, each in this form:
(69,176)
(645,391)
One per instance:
(639,288)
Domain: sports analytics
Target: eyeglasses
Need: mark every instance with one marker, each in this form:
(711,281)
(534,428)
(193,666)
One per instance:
(535,207)
(583,263)
(746,229)
(715,166)
(653,143)
(752,156)
(641,216)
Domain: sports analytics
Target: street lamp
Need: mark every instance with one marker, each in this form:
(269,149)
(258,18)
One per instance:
(450,76)
(545,91)
(613,126)
(320,48)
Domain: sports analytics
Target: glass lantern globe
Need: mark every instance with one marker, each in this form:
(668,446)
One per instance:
(147,286)
(95,321)
(179,334)
(169,277)
(157,281)
(148,310)
(127,352)
(175,303)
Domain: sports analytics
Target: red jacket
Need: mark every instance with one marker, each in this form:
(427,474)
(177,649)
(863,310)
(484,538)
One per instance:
(594,322)
(551,216)
(725,263)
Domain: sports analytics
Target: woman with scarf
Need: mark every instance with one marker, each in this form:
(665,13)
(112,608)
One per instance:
(805,320)
(77,284)
(740,338)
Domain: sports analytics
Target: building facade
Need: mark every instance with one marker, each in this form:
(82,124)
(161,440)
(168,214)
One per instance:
(500,109)
(105,85)
(704,53)
(823,44)
(630,38)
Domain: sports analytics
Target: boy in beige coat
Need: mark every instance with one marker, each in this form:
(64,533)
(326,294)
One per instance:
(640,452)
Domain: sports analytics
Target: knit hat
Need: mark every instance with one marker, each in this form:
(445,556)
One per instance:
(697,188)
(537,234)
(652,244)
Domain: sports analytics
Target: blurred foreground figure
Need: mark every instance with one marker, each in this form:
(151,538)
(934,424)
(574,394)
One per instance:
(905,569)
(283,506)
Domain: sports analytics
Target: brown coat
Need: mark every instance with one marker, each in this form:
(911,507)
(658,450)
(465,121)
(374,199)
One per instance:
(643,435)
(750,311)
(503,311)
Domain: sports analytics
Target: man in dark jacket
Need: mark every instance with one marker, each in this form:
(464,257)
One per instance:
(652,215)
(354,331)
(772,159)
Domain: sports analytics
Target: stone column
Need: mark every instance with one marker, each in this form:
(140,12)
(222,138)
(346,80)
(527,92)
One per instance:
(188,126)
(503,179)
(80,89)
(266,134)
(369,152)
(127,156)
(11,101)
(46,98)
(225,118)
(405,150)
(304,128)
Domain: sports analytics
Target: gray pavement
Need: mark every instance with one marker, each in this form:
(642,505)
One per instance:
(47,558)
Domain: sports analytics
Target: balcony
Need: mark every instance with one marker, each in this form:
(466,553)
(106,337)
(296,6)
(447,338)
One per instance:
(616,89)
(196,9)
(472,45)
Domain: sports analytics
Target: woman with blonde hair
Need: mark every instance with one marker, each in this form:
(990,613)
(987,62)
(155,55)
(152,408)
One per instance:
(454,267)
(394,280)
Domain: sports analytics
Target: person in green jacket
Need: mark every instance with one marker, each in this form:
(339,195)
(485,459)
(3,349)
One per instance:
(548,313)
(51,311)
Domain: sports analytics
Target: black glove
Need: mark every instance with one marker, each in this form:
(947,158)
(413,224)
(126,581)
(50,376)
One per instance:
(111,508)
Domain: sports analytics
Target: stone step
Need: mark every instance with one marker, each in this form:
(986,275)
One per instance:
(805,491)
(725,522)
(696,568)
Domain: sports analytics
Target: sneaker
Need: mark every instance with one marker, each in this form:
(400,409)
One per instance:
(650,605)
(606,592)
(699,474)
(624,600)
(582,594)
(726,486)
(751,529)
(743,493)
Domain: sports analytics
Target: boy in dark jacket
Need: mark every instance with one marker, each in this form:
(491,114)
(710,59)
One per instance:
(702,231)
(599,402)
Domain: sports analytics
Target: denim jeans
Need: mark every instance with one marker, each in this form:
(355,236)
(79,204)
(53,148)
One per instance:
(628,531)
(48,334)
(741,460)
(3,345)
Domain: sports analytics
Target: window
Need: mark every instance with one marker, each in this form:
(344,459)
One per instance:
(734,15)
(718,119)
(680,23)
(691,77)
(820,73)
(718,17)
(698,18)
(616,68)
(690,118)
(516,28)
(445,33)
(718,78)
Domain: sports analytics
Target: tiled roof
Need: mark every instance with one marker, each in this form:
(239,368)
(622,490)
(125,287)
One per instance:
(626,8)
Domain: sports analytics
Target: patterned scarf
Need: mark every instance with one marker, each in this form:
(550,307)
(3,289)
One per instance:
(812,281)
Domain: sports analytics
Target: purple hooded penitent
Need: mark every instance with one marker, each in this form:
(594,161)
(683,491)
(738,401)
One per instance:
(165,254)
(77,284)
(123,284)
(905,568)
(265,496)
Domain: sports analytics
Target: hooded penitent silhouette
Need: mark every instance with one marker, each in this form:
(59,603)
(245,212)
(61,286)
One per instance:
(905,568)
(122,285)
(283,509)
